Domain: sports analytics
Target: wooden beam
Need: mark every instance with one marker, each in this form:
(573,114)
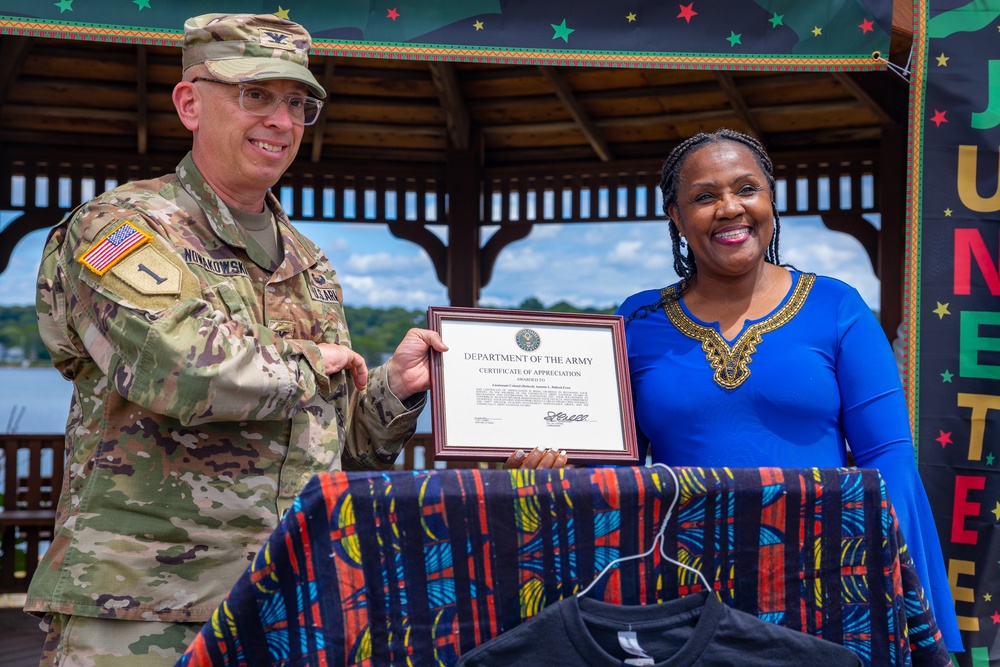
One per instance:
(31,221)
(623,121)
(464,185)
(901,40)
(455,110)
(319,129)
(590,130)
(13,51)
(502,238)
(72,114)
(142,104)
(392,128)
(739,104)
(426,239)
(884,99)
(891,203)
(855,225)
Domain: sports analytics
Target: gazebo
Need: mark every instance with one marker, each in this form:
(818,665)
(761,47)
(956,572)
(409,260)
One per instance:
(468,144)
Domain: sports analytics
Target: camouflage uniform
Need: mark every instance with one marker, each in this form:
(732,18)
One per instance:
(81,641)
(200,404)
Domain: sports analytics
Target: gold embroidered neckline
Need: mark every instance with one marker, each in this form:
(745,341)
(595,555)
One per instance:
(731,363)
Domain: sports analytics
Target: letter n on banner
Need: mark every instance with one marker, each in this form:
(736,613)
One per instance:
(952,304)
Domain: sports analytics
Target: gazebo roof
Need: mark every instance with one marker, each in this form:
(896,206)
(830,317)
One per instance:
(61,96)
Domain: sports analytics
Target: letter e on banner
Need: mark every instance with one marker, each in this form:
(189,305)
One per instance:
(963,508)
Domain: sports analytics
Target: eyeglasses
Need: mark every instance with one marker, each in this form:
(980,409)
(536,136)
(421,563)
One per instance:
(260,101)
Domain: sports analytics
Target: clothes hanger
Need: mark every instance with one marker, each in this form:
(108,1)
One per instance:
(658,540)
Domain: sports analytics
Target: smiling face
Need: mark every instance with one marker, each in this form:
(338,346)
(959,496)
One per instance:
(723,208)
(240,154)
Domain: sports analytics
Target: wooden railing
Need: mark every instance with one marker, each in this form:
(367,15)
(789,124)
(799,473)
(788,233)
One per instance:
(32,474)
(620,191)
(513,198)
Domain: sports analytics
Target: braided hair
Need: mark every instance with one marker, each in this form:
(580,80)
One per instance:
(685,264)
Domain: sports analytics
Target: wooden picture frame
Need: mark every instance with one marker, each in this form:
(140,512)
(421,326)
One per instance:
(515,379)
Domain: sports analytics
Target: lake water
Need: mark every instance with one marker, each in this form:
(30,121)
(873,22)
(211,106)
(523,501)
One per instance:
(33,400)
(36,401)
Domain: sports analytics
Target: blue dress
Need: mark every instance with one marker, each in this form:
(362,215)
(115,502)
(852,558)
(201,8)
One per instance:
(790,391)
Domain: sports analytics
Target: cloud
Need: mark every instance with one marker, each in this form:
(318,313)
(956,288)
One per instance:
(376,292)
(384,263)
(638,254)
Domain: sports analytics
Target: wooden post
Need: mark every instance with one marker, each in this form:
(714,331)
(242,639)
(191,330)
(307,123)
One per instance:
(465,219)
(892,237)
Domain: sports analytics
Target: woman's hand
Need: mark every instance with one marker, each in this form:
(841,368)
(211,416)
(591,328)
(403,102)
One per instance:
(536,458)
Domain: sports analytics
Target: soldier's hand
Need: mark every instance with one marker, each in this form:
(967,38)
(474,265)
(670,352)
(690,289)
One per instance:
(340,357)
(536,458)
(409,369)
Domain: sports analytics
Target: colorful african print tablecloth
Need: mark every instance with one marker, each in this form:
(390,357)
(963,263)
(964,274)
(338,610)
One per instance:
(401,568)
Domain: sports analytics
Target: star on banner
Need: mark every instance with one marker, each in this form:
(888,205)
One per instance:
(630,16)
(687,13)
(996,513)
(945,440)
(942,60)
(990,459)
(777,19)
(941,310)
(393,14)
(64,5)
(282,13)
(867,26)
(947,212)
(996,617)
(733,38)
(562,31)
(987,597)
(817,31)
(478,25)
(947,376)
(939,118)
(143,4)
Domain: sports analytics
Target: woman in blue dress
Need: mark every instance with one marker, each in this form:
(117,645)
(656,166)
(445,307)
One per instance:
(747,363)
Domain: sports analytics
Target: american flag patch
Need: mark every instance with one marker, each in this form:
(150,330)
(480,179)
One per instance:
(108,251)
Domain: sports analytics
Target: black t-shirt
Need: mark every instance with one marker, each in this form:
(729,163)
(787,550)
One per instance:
(695,630)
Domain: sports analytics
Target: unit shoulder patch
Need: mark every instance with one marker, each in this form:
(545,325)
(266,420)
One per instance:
(149,272)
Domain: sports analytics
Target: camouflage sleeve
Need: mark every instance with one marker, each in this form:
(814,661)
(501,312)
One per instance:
(65,348)
(180,356)
(381,424)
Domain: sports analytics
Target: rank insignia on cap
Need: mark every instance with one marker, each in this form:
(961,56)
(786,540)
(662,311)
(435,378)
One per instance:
(276,39)
(112,248)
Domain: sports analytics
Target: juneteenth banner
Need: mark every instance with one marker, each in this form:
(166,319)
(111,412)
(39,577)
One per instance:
(717,34)
(952,304)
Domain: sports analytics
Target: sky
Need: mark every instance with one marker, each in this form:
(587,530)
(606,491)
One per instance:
(584,264)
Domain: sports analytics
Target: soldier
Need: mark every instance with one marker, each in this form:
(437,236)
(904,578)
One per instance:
(211,363)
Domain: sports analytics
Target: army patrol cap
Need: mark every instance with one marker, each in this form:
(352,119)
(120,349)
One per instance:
(249,47)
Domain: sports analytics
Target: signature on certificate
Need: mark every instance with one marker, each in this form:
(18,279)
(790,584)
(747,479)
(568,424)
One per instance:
(552,416)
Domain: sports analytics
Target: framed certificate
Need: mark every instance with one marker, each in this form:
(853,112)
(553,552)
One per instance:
(515,379)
